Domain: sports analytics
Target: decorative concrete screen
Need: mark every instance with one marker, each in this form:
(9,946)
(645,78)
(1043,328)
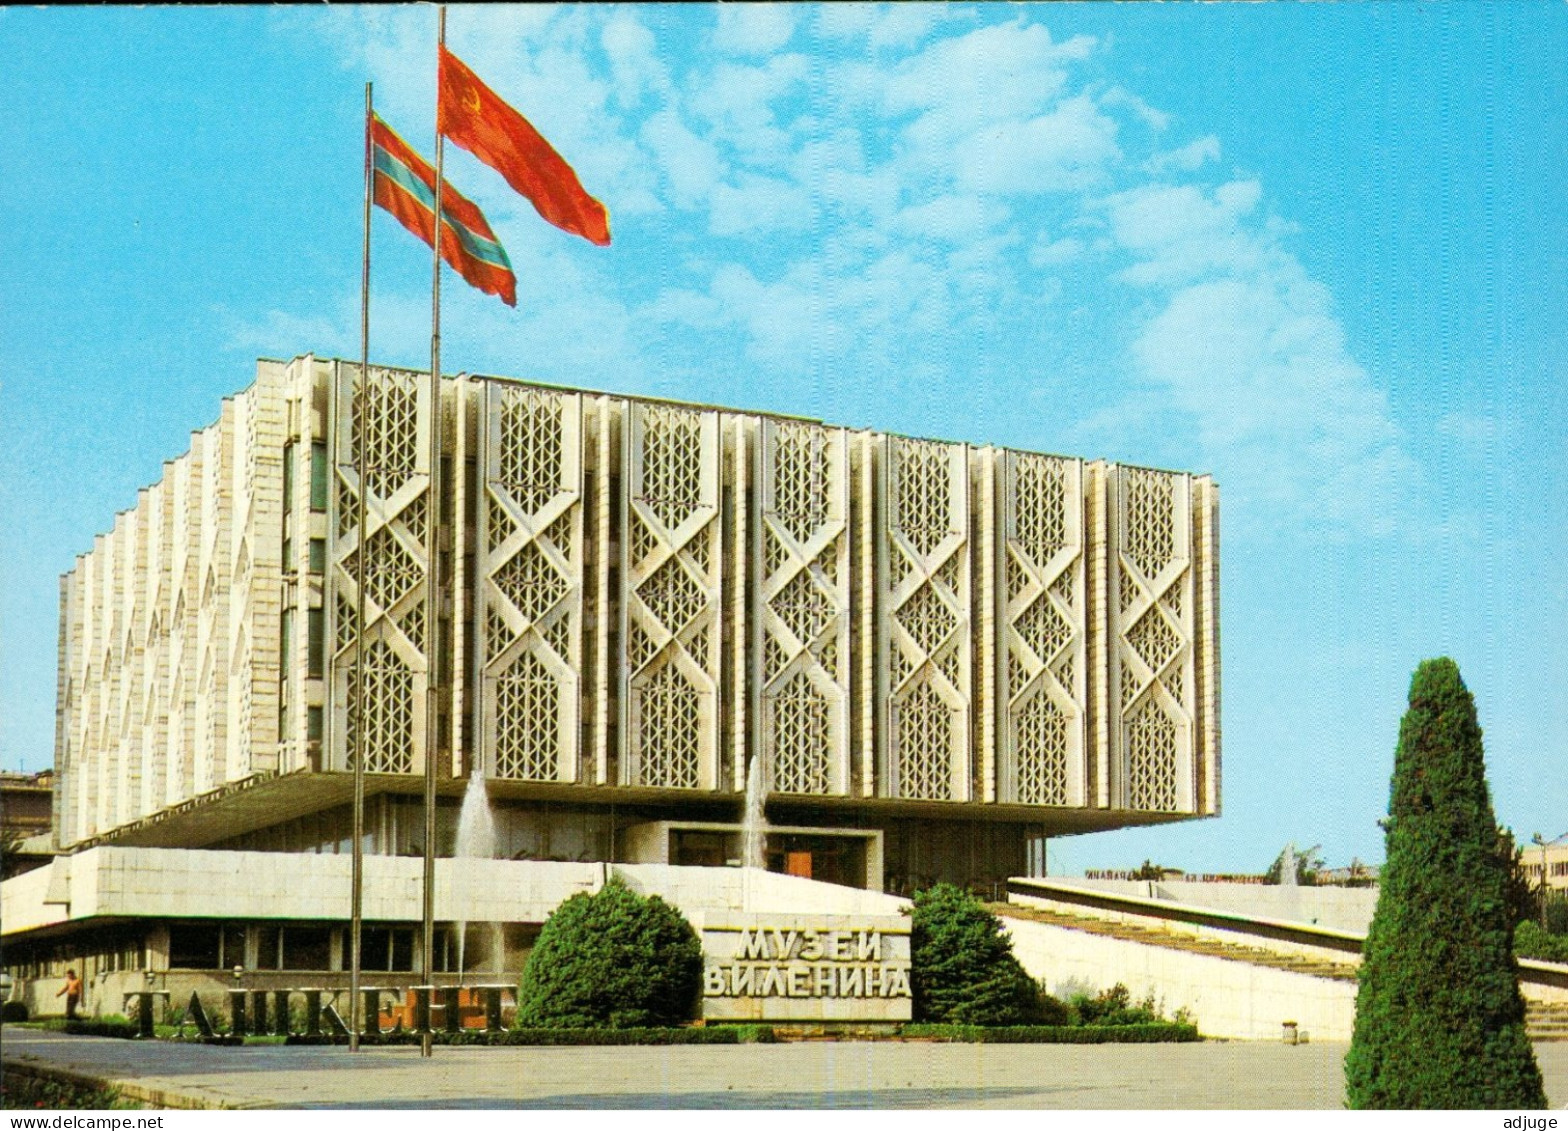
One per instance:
(640,598)
(394,412)
(529,600)
(1044,661)
(925,631)
(671,564)
(800,653)
(1162,696)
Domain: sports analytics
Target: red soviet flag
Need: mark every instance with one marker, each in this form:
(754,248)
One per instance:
(474,117)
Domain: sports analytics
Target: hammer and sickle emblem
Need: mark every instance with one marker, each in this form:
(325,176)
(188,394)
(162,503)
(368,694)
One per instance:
(471,99)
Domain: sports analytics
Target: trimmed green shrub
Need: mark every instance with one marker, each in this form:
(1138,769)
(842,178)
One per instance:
(1439,1018)
(1530,941)
(1051,1010)
(612,959)
(1115,1007)
(1145,1034)
(13,1011)
(114,1026)
(1557,913)
(962,968)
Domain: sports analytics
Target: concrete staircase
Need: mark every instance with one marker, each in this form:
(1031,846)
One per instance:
(1544,1021)
(1153,935)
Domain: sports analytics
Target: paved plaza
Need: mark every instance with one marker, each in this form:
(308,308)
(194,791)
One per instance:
(1238,1075)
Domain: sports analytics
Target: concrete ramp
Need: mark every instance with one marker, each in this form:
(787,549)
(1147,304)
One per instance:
(1241,976)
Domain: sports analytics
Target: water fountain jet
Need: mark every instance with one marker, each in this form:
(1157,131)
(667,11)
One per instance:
(475,841)
(754,824)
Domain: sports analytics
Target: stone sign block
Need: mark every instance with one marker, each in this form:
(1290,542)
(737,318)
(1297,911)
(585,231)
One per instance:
(806,968)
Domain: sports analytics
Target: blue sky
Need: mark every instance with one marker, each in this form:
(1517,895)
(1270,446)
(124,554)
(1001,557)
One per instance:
(1316,250)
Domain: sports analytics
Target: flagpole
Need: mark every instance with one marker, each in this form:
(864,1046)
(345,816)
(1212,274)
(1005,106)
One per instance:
(356,702)
(433,587)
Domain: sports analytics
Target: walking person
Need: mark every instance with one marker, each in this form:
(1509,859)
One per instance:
(73,994)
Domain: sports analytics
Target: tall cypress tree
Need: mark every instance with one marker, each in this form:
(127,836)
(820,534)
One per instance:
(1439,1019)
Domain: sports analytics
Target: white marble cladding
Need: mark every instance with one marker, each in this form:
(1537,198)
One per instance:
(206,884)
(649,594)
(1229,999)
(169,635)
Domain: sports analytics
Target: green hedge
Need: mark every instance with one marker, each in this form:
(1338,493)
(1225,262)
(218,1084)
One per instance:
(101,1027)
(1149,1034)
(712,1035)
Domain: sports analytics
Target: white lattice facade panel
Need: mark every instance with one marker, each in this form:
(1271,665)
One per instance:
(529,562)
(801,620)
(180,754)
(264,533)
(214,581)
(1043,658)
(643,596)
(393,412)
(1152,680)
(1206,642)
(131,707)
(121,722)
(671,614)
(153,621)
(925,602)
(95,676)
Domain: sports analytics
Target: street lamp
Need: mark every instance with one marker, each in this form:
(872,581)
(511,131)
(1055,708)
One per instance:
(1541,896)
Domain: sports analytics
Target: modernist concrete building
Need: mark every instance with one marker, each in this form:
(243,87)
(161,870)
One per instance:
(941,653)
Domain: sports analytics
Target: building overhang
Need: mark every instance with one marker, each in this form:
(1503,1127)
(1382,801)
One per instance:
(270,799)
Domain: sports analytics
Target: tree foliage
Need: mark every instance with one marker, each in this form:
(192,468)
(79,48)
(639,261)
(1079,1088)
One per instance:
(1308,865)
(1524,901)
(1149,870)
(962,968)
(612,959)
(1439,1018)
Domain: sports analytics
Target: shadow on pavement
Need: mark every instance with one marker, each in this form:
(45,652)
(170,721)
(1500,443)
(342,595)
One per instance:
(732,1100)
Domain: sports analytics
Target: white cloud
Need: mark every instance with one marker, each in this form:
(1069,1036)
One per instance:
(756,205)
(959,86)
(1179,233)
(736,103)
(1121,99)
(1068,148)
(1049,253)
(634,60)
(1296,427)
(883,26)
(690,163)
(954,219)
(1470,428)
(1186,159)
(753,29)
(908,197)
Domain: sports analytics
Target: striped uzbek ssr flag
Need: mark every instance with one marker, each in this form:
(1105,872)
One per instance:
(405,185)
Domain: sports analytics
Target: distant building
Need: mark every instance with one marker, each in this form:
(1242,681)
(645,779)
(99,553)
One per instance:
(26,803)
(1548,862)
(26,807)
(941,653)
